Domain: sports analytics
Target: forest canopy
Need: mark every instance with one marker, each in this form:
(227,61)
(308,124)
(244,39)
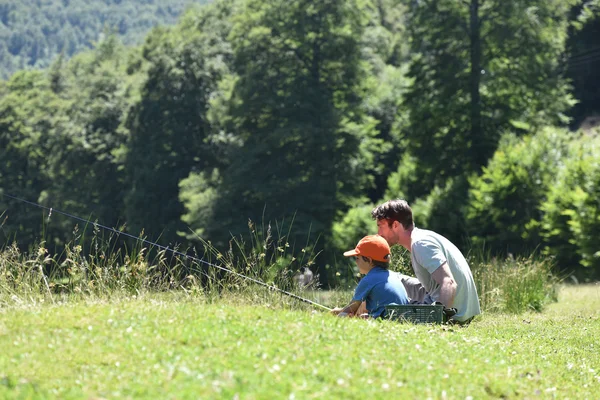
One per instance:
(34,32)
(290,120)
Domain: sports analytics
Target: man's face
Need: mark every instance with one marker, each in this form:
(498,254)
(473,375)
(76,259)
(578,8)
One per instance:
(389,233)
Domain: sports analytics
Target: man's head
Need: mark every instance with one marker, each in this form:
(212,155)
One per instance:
(371,250)
(394,219)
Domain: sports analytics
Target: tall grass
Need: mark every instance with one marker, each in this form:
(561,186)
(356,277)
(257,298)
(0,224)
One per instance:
(106,268)
(514,285)
(267,255)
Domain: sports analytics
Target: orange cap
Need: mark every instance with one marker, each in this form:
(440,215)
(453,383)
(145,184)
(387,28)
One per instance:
(372,246)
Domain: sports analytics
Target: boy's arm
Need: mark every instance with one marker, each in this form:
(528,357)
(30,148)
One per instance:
(362,309)
(349,309)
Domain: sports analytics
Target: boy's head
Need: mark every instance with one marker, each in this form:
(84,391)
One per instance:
(374,247)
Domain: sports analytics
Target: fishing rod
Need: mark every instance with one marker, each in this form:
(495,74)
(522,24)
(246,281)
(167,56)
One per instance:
(199,260)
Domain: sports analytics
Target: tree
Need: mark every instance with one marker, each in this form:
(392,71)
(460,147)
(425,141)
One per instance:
(28,118)
(385,48)
(504,203)
(303,139)
(584,60)
(85,166)
(480,68)
(170,130)
(37,31)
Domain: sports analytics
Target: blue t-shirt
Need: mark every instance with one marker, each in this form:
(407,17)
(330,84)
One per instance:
(379,288)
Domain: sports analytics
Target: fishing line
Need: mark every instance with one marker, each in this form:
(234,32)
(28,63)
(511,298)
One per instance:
(199,260)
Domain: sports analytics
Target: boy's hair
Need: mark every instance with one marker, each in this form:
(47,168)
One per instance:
(382,264)
(394,210)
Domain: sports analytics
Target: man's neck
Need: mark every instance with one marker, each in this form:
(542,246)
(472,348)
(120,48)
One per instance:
(405,239)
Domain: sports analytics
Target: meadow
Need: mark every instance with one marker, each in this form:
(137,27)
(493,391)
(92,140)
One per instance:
(181,345)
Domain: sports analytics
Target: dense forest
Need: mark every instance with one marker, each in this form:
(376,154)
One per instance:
(35,32)
(291,119)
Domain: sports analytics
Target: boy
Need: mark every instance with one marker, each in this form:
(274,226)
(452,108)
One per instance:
(379,287)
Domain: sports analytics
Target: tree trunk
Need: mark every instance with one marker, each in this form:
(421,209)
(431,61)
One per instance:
(477,149)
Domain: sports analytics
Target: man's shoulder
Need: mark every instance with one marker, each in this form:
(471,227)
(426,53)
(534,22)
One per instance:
(424,237)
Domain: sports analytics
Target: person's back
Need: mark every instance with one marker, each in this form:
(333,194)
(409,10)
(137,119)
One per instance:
(429,250)
(380,287)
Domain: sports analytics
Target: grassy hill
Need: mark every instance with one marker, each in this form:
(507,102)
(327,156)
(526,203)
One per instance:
(33,32)
(181,347)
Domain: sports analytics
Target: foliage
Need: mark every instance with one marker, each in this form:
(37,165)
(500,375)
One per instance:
(346,232)
(571,220)
(29,114)
(503,212)
(385,48)
(63,129)
(34,33)
(170,134)
(480,68)
(302,144)
(442,211)
(86,152)
(353,226)
(584,60)
(296,113)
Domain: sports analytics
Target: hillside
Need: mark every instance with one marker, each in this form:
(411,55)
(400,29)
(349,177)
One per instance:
(33,32)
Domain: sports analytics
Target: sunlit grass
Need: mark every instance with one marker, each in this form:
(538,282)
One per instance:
(173,346)
(111,324)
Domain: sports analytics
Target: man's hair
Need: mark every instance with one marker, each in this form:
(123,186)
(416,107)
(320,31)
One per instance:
(394,210)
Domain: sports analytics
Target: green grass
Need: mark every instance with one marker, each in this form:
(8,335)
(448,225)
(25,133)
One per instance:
(179,346)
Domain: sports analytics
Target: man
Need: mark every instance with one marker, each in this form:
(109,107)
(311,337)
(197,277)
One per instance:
(443,274)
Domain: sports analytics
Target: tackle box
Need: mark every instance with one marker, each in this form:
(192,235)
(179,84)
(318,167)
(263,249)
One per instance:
(416,313)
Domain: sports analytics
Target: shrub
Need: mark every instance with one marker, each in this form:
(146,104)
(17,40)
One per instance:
(571,222)
(352,227)
(404,183)
(504,204)
(443,211)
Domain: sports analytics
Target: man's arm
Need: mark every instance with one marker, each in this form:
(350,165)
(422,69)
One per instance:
(443,276)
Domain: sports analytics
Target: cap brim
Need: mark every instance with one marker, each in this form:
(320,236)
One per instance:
(351,253)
